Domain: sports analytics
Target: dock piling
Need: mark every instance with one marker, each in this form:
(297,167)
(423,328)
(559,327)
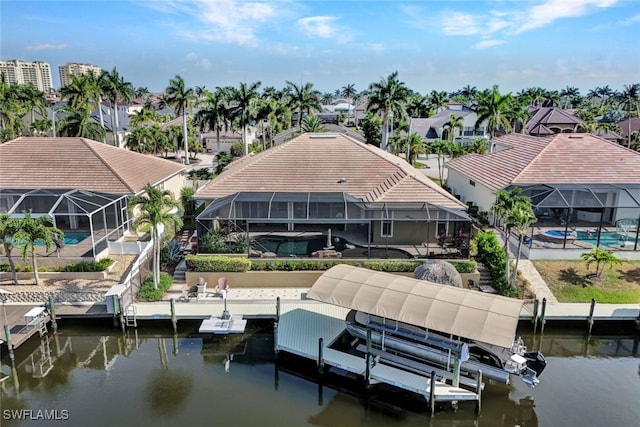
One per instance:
(52,312)
(277,309)
(590,318)
(121,314)
(368,359)
(479,391)
(7,336)
(542,321)
(536,303)
(432,392)
(174,320)
(320,363)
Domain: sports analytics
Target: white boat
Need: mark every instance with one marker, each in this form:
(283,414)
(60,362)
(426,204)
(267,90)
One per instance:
(434,349)
(432,323)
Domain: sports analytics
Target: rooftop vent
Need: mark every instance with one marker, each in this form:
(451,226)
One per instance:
(342,180)
(323,136)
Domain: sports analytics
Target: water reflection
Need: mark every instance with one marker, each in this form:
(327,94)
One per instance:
(152,377)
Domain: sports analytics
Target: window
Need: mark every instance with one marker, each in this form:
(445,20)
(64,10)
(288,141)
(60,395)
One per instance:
(386,225)
(472,183)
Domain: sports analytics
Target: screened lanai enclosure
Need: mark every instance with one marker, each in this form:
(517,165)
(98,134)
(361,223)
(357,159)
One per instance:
(582,217)
(302,223)
(88,219)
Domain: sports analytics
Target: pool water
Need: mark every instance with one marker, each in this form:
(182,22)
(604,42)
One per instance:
(304,246)
(607,238)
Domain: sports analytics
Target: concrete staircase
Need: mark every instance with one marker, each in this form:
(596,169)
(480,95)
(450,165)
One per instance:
(179,282)
(485,276)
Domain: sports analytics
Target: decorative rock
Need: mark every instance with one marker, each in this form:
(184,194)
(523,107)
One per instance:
(439,271)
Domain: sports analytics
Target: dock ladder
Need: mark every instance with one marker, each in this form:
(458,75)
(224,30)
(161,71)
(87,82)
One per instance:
(130,316)
(42,325)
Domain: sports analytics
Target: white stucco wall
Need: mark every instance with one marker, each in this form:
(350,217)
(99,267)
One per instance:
(479,194)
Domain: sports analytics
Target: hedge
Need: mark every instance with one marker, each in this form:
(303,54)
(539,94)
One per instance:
(217,263)
(492,255)
(199,263)
(149,293)
(81,267)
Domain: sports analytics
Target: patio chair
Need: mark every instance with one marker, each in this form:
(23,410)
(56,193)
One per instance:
(222,287)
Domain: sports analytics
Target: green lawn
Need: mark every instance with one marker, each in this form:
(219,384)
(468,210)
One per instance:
(570,282)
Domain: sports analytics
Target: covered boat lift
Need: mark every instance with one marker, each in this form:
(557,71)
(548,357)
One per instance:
(488,318)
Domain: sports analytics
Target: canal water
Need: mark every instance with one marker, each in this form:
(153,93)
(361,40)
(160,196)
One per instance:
(97,376)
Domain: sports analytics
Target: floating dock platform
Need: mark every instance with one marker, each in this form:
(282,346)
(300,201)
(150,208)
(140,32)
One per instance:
(299,330)
(223,325)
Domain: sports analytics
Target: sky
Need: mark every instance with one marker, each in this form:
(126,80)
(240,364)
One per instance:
(434,45)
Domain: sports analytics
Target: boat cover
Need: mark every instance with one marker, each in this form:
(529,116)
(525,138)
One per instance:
(489,318)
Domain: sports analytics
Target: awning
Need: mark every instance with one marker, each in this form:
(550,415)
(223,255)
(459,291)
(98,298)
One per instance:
(492,319)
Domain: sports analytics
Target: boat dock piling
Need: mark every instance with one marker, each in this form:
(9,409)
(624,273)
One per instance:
(590,318)
(310,332)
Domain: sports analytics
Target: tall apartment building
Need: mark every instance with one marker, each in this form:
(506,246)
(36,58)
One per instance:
(75,69)
(37,73)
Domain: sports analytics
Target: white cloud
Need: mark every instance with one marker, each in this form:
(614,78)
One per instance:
(459,24)
(551,10)
(203,63)
(225,21)
(484,44)
(635,19)
(318,26)
(45,46)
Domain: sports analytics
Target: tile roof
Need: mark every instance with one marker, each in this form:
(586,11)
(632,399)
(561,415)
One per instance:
(624,126)
(568,158)
(79,163)
(330,163)
(550,116)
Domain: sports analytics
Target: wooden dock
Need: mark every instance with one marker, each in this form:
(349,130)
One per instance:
(21,321)
(299,331)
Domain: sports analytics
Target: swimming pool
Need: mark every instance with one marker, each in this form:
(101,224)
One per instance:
(304,246)
(607,238)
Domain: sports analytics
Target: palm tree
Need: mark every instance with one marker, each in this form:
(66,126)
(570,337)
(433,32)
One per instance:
(214,113)
(32,99)
(313,124)
(243,97)
(181,99)
(454,122)
(116,89)
(441,150)
(414,145)
(8,228)
(388,97)
(502,208)
(303,98)
(521,217)
(470,93)
(158,208)
(79,123)
(138,139)
(479,146)
(31,231)
(495,109)
(568,94)
(349,91)
(603,258)
(438,100)
(630,100)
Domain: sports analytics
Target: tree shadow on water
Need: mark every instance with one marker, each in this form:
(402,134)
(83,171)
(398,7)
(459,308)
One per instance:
(571,275)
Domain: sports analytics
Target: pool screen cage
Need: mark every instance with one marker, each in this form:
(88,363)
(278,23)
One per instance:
(591,207)
(102,216)
(307,211)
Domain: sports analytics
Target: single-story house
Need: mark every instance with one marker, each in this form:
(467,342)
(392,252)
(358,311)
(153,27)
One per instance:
(81,184)
(584,186)
(321,181)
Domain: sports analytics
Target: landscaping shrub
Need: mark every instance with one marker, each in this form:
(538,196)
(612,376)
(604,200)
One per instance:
(392,266)
(492,256)
(149,293)
(217,263)
(464,266)
(81,267)
(295,265)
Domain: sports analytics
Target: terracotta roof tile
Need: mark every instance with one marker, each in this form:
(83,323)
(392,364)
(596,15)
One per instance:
(570,158)
(329,163)
(79,163)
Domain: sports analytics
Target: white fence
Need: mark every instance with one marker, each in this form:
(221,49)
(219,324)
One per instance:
(127,289)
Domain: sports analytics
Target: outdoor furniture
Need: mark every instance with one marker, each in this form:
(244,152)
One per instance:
(222,287)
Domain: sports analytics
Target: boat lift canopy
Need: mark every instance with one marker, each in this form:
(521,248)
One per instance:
(488,318)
